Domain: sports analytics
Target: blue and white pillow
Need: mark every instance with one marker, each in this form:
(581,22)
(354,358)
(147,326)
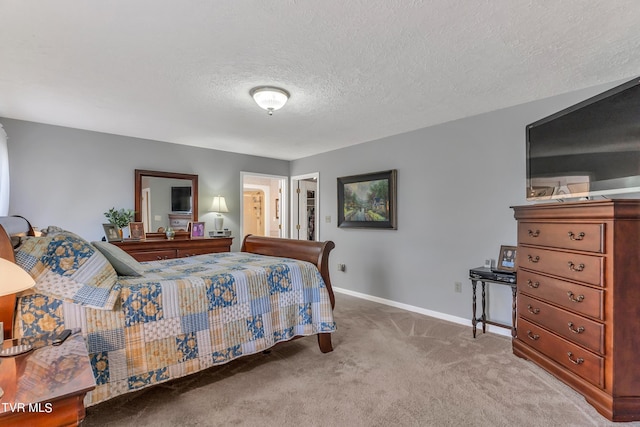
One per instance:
(66,266)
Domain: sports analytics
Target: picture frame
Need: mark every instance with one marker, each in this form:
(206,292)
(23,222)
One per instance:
(197,230)
(507,259)
(112,233)
(136,230)
(368,200)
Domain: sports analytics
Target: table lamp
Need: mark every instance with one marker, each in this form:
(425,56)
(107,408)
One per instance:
(218,205)
(13,279)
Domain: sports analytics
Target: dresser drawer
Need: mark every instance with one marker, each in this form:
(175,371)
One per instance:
(577,329)
(581,299)
(573,357)
(582,237)
(583,268)
(154,255)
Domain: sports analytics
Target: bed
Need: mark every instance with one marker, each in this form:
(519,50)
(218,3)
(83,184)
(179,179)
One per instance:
(147,323)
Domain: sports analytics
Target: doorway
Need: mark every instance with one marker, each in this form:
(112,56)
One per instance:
(261,202)
(253,212)
(305,200)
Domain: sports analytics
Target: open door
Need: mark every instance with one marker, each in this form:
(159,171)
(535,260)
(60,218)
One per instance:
(304,207)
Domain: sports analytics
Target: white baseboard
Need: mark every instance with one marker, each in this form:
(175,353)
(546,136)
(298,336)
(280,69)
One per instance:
(455,319)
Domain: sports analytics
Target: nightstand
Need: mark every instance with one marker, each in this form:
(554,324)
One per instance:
(46,386)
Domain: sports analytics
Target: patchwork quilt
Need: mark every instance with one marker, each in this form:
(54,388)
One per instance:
(185,315)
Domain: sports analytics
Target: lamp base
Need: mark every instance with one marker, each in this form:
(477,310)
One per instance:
(217,222)
(16,350)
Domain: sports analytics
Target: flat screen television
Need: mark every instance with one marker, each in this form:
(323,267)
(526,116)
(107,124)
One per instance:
(181,199)
(589,149)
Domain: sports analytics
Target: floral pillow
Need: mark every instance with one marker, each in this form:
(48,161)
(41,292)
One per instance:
(66,266)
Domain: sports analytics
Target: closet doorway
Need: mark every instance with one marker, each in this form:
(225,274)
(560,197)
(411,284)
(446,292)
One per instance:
(304,207)
(261,202)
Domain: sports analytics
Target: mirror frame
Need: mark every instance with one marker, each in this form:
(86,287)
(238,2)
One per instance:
(140,173)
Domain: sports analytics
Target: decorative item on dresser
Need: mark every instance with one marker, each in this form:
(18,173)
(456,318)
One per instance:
(120,218)
(218,206)
(152,249)
(578,302)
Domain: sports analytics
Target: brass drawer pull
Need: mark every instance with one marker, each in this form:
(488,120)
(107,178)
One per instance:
(533,285)
(532,310)
(579,330)
(534,233)
(574,267)
(573,298)
(574,237)
(532,336)
(533,259)
(578,361)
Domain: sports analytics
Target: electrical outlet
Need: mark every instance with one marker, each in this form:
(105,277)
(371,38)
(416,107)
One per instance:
(458,286)
(342,267)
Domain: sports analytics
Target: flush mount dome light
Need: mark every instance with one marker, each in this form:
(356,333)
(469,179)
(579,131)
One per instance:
(269,98)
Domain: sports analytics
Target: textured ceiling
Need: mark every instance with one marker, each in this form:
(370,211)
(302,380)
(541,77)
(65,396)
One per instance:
(357,70)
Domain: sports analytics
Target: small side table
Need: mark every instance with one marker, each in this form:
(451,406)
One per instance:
(481,275)
(46,386)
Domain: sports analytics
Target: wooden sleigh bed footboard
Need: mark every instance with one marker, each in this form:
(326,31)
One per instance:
(316,253)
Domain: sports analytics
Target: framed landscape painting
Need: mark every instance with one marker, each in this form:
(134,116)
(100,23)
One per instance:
(368,201)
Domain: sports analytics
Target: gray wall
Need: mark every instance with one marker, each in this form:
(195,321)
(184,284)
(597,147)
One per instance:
(456,183)
(69,177)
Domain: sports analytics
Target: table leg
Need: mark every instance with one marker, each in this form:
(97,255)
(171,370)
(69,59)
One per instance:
(514,290)
(484,313)
(474,320)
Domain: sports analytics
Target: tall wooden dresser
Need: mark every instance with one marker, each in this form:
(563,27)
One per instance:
(578,304)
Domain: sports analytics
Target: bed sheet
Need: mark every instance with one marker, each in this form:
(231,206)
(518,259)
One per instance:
(185,315)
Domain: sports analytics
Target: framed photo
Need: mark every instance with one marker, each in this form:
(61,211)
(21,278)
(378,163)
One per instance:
(197,230)
(136,230)
(368,201)
(507,258)
(112,232)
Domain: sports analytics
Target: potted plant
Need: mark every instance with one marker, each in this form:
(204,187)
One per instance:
(121,217)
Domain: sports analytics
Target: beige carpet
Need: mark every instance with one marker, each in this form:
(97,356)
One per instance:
(389,367)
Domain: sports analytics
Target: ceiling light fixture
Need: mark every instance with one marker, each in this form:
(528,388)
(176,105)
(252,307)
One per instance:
(269,98)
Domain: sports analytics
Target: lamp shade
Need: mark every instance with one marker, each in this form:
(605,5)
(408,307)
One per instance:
(270,98)
(13,278)
(219,205)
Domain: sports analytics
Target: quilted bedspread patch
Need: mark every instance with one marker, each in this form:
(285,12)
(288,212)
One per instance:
(188,314)
(66,266)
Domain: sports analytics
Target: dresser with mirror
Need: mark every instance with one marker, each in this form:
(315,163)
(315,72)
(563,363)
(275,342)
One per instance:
(168,199)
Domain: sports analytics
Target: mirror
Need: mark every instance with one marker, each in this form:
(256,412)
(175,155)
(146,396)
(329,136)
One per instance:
(158,193)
